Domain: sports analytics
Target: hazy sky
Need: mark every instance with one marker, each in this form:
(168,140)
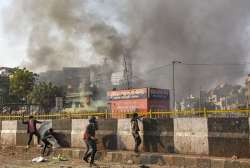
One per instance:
(11,54)
(160,31)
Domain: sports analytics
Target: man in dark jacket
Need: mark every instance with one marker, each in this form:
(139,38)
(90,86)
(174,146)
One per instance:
(31,129)
(48,134)
(90,139)
(135,131)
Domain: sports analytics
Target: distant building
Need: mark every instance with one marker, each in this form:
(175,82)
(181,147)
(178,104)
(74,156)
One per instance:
(83,85)
(76,79)
(55,77)
(117,79)
(216,100)
(222,97)
(189,103)
(226,96)
(247,82)
(77,82)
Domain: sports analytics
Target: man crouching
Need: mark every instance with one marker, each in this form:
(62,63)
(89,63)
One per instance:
(47,135)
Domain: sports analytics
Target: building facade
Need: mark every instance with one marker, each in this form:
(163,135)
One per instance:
(247,82)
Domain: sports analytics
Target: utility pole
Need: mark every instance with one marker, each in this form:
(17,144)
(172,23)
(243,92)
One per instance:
(247,102)
(128,71)
(173,65)
(200,99)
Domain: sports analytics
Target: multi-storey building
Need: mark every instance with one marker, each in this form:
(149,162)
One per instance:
(247,82)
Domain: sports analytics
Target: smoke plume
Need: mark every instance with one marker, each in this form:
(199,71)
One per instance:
(194,32)
(63,33)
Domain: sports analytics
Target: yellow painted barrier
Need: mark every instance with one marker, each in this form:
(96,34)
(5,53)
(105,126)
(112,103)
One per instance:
(150,114)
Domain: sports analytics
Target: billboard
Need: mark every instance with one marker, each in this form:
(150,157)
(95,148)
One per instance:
(158,93)
(157,104)
(129,105)
(127,94)
(120,108)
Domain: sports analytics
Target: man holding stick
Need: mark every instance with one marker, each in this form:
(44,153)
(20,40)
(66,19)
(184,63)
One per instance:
(135,131)
(32,130)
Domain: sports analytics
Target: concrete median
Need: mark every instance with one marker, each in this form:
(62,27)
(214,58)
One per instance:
(191,136)
(21,134)
(106,134)
(78,128)
(158,135)
(222,137)
(228,137)
(8,133)
(62,129)
(125,140)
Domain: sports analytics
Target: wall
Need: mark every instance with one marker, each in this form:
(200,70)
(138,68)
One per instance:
(228,136)
(62,129)
(21,137)
(191,136)
(0,129)
(202,136)
(125,140)
(69,133)
(106,134)
(78,128)
(158,135)
(8,132)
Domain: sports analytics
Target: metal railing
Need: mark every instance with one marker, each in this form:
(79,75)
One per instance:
(125,114)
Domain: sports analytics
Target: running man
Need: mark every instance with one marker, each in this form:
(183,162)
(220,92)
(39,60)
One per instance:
(90,139)
(135,131)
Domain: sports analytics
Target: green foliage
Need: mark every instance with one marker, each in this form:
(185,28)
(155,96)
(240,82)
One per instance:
(5,96)
(4,85)
(22,82)
(44,94)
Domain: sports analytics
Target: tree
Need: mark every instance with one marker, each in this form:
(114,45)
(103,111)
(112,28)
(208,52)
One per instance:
(44,94)
(22,82)
(4,88)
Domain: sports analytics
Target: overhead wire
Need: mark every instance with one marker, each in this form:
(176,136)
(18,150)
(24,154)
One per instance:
(140,76)
(216,64)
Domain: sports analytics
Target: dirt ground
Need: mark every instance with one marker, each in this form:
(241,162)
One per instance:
(13,158)
(25,162)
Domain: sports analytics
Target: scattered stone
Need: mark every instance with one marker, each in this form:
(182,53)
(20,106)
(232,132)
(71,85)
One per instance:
(234,157)
(39,159)
(130,162)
